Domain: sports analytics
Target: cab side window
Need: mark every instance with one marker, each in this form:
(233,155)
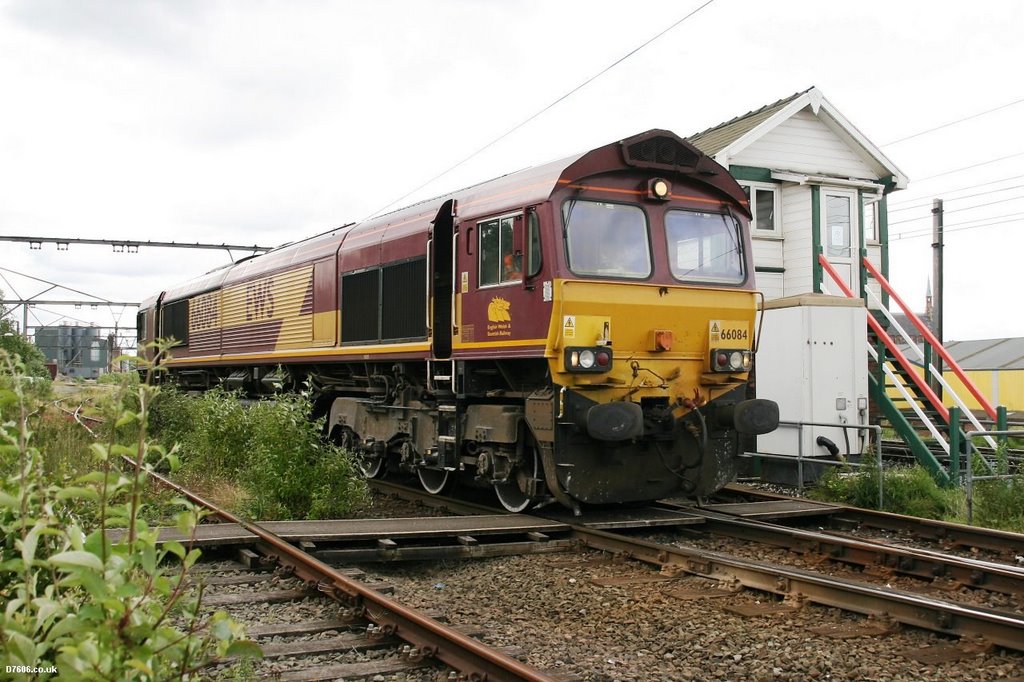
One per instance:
(499,263)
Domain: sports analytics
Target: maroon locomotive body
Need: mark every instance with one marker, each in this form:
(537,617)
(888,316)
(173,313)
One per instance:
(580,331)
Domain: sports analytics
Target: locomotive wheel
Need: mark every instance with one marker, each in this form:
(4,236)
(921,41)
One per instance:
(371,466)
(510,493)
(436,481)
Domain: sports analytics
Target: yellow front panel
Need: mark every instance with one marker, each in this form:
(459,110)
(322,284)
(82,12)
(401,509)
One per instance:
(626,317)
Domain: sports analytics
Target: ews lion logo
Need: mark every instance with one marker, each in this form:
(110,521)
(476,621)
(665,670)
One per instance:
(497,310)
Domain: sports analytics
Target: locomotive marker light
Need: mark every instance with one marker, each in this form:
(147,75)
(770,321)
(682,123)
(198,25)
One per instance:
(730,360)
(581,359)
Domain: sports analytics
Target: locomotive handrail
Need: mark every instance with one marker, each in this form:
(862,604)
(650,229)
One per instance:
(930,338)
(876,327)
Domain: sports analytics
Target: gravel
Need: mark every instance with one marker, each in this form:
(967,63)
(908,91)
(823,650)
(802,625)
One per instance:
(549,607)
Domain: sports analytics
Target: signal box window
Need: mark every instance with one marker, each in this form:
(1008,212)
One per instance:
(704,247)
(607,240)
(763,207)
(499,263)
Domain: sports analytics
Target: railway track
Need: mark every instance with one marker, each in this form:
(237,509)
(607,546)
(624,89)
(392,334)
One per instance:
(363,617)
(684,571)
(1001,627)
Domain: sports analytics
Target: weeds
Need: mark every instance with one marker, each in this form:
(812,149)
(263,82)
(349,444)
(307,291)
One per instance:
(912,490)
(268,459)
(80,604)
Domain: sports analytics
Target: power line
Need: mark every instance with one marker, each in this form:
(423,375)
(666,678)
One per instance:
(961,189)
(957,210)
(966,196)
(544,109)
(952,123)
(54,284)
(929,230)
(977,165)
(911,236)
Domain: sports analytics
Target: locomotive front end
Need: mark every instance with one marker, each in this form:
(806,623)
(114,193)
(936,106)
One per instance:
(652,332)
(652,395)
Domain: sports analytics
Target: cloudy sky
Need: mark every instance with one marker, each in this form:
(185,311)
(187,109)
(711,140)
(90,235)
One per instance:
(259,122)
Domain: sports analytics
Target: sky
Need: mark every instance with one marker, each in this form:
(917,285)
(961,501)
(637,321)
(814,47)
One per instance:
(260,122)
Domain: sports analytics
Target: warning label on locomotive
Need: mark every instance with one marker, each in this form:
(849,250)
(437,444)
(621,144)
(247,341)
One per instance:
(569,327)
(728,331)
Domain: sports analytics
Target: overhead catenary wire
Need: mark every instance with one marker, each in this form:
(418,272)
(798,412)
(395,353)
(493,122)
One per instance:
(948,199)
(976,165)
(953,123)
(930,229)
(958,210)
(959,227)
(959,189)
(522,123)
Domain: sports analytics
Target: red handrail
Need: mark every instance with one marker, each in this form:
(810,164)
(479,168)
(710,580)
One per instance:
(935,343)
(925,389)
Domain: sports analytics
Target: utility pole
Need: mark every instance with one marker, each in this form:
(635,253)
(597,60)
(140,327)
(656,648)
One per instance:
(938,294)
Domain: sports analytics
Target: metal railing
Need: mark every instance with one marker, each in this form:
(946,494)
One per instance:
(968,473)
(800,458)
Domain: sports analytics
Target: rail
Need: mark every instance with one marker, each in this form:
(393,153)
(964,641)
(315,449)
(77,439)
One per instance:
(465,654)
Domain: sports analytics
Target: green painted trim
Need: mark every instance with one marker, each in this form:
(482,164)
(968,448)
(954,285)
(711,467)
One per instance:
(816,250)
(751,173)
(863,251)
(956,444)
(889,182)
(907,432)
(769,268)
(883,239)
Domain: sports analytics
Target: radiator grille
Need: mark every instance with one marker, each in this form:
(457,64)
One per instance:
(174,321)
(360,298)
(403,299)
(661,151)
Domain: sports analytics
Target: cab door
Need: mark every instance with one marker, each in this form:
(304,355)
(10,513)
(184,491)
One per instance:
(498,303)
(441,284)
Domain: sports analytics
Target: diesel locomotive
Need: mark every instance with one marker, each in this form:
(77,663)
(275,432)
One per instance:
(580,331)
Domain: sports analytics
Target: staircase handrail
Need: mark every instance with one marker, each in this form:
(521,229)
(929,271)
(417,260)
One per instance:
(929,368)
(902,390)
(935,343)
(890,345)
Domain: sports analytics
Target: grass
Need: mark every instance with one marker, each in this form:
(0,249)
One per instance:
(911,490)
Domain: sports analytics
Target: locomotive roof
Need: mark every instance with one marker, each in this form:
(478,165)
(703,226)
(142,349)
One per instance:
(655,149)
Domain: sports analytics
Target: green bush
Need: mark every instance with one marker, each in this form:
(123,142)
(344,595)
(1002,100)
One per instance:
(78,604)
(905,490)
(270,448)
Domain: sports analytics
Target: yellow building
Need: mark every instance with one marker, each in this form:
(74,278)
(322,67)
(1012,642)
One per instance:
(995,366)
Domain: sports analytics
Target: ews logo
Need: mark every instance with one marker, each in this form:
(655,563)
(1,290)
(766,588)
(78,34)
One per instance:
(259,300)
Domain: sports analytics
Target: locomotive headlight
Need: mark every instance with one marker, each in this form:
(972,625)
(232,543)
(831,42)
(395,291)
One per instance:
(736,360)
(658,188)
(583,359)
